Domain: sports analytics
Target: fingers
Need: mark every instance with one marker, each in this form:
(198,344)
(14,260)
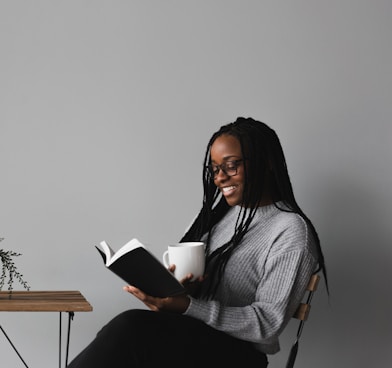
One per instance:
(176,304)
(129,288)
(187,279)
(149,301)
(135,291)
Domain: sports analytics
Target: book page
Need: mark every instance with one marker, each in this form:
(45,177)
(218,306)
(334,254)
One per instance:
(131,245)
(108,251)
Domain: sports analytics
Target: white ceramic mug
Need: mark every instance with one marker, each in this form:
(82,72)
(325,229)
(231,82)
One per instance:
(188,257)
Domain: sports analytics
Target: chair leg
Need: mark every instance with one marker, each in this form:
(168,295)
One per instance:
(292,355)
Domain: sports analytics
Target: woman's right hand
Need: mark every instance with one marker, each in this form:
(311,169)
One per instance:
(191,286)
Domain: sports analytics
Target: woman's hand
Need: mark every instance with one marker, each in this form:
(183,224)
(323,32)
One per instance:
(176,304)
(191,286)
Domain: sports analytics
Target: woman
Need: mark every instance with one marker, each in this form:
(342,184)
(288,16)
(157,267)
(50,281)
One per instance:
(261,251)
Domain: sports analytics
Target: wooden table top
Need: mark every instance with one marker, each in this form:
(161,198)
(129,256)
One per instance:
(43,301)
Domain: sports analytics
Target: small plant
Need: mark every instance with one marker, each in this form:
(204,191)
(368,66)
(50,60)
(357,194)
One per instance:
(9,268)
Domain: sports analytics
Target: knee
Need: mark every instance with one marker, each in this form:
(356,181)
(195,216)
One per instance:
(130,320)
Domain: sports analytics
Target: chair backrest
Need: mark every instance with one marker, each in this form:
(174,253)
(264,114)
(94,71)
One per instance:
(302,314)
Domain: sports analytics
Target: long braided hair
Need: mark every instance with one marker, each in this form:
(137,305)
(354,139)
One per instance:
(262,152)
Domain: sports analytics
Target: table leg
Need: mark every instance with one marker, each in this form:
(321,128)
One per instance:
(70,318)
(17,352)
(60,333)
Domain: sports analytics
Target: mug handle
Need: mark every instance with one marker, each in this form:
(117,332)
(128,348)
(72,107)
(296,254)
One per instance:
(165,258)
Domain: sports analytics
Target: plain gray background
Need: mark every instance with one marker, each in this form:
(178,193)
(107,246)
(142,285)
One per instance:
(105,112)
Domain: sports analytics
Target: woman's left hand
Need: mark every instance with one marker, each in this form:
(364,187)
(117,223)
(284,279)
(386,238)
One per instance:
(177,304)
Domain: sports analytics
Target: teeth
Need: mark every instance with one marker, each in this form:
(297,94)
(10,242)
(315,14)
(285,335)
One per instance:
(226,189)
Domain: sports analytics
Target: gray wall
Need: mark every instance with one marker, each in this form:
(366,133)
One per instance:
(105,111)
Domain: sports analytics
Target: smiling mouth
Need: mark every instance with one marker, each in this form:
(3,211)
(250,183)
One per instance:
(227,190)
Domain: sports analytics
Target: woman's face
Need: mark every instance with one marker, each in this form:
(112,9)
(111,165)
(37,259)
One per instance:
(227,164)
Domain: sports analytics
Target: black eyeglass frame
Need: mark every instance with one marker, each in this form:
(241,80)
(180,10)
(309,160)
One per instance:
(215,169)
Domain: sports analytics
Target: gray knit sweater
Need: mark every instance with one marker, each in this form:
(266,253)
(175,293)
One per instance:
(264,279)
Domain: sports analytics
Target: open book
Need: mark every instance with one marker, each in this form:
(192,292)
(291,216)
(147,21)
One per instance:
(140,268)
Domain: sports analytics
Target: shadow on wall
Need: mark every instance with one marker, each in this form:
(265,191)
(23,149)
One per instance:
(355,323)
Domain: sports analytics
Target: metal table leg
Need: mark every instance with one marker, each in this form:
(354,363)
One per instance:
(70,318)
(17,352)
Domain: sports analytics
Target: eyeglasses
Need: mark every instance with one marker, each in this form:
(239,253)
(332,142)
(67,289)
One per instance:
(228,167)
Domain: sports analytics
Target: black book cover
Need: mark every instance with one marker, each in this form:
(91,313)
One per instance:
(141,269)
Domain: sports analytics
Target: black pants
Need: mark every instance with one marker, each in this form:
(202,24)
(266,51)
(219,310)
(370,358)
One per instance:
(142,338)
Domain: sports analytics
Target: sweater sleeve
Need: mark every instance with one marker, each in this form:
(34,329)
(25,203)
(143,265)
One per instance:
(285,275)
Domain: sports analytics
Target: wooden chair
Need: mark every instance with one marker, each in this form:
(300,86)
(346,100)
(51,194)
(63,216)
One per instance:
(302,314)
